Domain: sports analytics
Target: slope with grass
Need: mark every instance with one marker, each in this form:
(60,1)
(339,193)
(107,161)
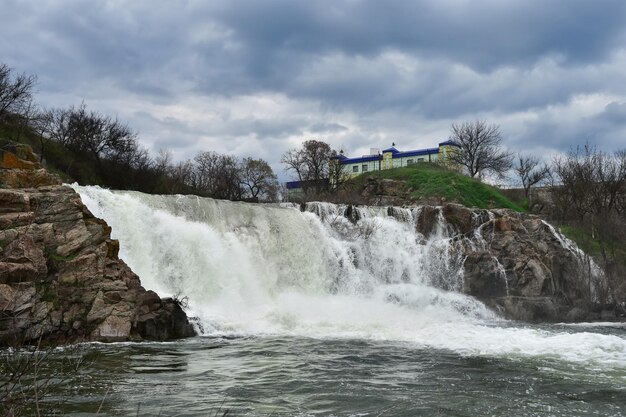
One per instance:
(427,184)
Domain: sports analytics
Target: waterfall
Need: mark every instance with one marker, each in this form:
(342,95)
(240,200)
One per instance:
(322,270)
(240,261)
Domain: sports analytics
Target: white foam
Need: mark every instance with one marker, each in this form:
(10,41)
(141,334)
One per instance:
(264,270)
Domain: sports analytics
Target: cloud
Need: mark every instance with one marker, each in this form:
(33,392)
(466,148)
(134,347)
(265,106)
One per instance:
(257,78)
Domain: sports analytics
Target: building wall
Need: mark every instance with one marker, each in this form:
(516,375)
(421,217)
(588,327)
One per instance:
(444,155)
(348,169)
(388,162)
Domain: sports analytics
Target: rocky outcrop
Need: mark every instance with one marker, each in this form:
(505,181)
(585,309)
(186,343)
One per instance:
(20,168)
(60,276)
(520,265)
(516,263)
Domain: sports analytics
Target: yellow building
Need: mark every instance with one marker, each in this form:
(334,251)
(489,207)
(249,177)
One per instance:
(393,158)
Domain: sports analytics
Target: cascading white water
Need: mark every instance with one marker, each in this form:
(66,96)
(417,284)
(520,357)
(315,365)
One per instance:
(265,269)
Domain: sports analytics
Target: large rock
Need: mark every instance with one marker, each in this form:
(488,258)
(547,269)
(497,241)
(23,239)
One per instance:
(459,216)
(60,276)
(544,275)
(20,168)
(22,260)
(519,264)
(484,276)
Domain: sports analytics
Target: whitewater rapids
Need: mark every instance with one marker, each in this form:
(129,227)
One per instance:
(262,270)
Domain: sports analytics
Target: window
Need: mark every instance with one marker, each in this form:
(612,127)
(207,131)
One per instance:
(409,161)
(364,168)
(420,159)
(355,168)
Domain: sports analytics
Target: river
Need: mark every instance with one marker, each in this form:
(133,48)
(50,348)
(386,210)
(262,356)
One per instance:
(308,313)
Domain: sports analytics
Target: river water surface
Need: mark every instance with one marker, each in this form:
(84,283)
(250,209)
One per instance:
(344,377)
(311,313)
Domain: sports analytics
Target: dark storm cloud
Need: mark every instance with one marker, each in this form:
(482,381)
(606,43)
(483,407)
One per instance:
(355,72)
(482,34)
(466,56)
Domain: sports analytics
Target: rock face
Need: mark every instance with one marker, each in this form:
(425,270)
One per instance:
(60,276)
(518,264)
(20,168)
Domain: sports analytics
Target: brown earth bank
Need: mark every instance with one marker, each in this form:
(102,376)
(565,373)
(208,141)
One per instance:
(61,280)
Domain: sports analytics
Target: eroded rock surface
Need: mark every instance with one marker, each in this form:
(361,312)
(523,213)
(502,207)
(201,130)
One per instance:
(60,276)
(519,264)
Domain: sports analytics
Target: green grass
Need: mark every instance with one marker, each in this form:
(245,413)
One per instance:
(434,181)
(592,246)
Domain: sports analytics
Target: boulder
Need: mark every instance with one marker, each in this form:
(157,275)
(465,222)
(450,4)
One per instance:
(20,168)
(459,216)
(530,309)
(427,220)
(483,276)
(22,260)
(60,276)
(543,272)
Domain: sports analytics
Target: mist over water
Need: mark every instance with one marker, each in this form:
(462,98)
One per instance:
(271,271)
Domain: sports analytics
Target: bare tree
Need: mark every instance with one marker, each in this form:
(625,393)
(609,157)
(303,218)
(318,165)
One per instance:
(258,179)
(294,162)
(93,134)
(41,124)
(589,195)
(310,164)
(336,174)
(316,155)
(217,176)
(579,187)
(480,149)
(23,120)
(181,176)
(15,91)
(531,172)
(162,162)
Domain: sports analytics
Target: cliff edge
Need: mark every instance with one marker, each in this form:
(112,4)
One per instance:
(61,280)
(522,267)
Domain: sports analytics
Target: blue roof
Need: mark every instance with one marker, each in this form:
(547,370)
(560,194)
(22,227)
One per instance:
(367,158)
(418,152)
(392,150)
(292,185)
(396,153)
(449,142)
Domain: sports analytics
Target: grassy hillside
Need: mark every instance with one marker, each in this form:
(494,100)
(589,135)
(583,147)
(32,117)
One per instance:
(616,248)
(431,181)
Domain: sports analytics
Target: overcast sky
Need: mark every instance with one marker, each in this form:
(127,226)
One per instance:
(255,78)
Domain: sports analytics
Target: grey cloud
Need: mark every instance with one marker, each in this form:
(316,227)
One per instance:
(480,34)
(615,112)
(388,65)
(603,130)
(327,128)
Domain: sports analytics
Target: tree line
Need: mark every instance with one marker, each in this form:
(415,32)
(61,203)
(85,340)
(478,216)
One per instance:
(93,148)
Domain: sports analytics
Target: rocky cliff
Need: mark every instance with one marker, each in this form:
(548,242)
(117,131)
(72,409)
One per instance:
(516,263)
(521,266)
(60,276)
